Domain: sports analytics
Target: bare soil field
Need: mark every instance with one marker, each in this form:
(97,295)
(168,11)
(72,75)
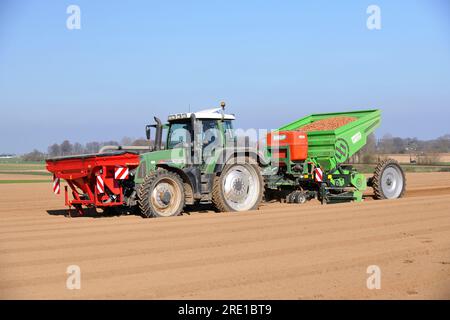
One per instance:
(281,251)
(12,176)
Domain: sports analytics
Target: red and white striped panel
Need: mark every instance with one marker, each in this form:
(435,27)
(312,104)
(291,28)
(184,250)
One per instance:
(318,174)
(121,173)
(56,185)
(100,185)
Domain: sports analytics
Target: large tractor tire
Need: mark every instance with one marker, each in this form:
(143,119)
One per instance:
(161,194)
(240,187)
(388,181)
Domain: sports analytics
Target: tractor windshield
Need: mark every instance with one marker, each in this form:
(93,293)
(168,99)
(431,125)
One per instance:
(179,134)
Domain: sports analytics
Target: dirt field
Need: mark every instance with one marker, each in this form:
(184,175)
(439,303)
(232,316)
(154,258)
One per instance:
(10,176)
(281,251)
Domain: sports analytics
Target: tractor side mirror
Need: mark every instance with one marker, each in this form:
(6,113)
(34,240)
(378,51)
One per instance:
(147,131)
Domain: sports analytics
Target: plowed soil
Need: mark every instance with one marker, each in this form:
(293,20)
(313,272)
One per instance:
(281,251)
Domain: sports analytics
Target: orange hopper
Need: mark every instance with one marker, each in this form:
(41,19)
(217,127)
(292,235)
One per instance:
(295,140)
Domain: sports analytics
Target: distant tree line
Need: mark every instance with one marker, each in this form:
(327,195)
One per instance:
(389,144)
(34,155)
(369,154)
(67,148)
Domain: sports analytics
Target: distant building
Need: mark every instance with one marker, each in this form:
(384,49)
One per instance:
(7,156)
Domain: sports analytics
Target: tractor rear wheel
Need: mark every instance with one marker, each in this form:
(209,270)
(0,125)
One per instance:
(388,181)
(240,186)
(161,194)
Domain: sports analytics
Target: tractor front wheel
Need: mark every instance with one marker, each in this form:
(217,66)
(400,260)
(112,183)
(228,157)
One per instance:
(161,194)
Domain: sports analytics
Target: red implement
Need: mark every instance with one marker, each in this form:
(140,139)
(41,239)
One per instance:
(93,178)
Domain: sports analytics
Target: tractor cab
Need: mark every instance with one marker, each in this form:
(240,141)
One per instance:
(209,126)
(189,161)
(198,133)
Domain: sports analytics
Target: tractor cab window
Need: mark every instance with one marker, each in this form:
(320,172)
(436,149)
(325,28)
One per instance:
(228,128)
(210,132)
(179,135)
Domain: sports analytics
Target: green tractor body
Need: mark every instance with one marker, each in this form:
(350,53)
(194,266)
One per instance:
(197,148)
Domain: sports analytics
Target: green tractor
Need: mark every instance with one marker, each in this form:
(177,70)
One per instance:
(198,162)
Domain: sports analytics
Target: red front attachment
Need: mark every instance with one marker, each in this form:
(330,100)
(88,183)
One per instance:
(93,178)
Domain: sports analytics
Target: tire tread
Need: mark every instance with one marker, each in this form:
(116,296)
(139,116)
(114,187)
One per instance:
(143,191)
(376,179)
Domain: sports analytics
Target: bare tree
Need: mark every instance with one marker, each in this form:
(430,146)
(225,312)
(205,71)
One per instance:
(386,144)
(66,148)
(126,141)
(78,148)
(109,143)
(92,147)
(54,150)
(35,155)
(141,142)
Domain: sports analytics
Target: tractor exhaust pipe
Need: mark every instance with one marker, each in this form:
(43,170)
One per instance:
(158,134)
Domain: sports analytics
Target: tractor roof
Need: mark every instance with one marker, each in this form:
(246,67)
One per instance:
(204,114)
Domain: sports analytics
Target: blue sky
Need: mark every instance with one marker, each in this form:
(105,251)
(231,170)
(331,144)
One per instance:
(271,61)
